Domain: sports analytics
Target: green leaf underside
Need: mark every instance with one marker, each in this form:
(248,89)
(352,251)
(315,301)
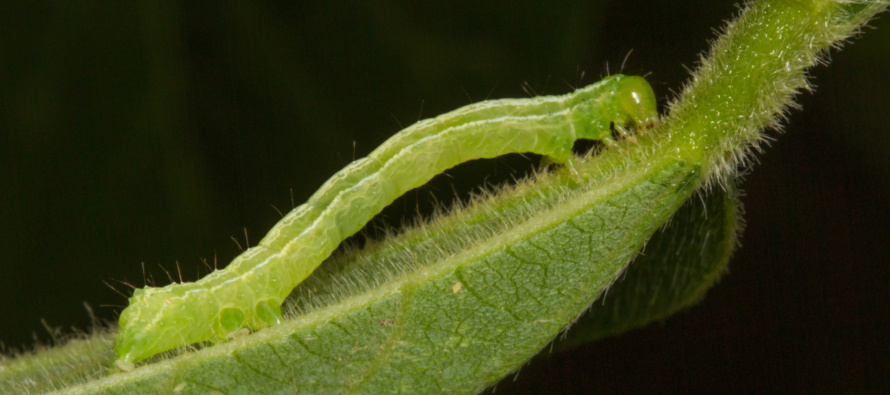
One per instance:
(46,369)
(541,254)
(395,252)
(677,266)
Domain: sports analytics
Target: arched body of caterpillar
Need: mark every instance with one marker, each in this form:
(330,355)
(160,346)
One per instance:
(250,291)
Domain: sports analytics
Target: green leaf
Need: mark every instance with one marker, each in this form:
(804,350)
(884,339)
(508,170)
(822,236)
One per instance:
(541,254)
(704,228)
(679,263)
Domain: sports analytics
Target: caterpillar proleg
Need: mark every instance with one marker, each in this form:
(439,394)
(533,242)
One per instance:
(250,291)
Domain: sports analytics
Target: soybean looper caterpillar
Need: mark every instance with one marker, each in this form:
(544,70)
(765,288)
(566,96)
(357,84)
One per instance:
(250,291)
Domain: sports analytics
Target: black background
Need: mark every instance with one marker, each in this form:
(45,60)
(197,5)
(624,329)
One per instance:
(138,133)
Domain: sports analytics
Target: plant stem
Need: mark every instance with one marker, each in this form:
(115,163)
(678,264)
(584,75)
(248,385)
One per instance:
(748,80)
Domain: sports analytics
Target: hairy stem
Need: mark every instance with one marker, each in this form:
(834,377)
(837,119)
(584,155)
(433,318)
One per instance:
(747,81)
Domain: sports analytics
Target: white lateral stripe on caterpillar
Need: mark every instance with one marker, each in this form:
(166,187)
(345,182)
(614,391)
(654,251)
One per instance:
(250,291)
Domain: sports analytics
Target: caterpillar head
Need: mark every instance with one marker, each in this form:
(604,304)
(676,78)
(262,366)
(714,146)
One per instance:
(635,98)
(616,100)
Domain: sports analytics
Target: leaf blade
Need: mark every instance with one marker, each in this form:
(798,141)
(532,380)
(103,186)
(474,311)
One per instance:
(416,334)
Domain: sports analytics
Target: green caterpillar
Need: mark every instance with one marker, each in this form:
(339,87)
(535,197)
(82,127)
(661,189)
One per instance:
(250,291)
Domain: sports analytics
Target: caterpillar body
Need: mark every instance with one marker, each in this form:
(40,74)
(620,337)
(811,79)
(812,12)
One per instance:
(250,291)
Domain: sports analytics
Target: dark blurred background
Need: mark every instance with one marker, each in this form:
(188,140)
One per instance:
(134,133)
